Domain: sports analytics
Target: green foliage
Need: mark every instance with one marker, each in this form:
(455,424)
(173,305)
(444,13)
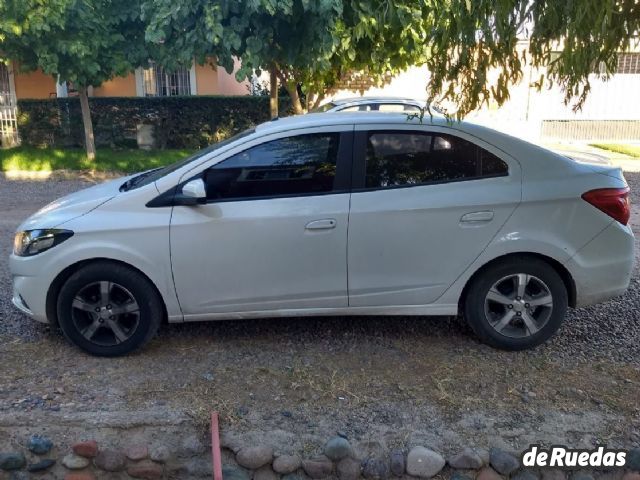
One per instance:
(84,41)
(50,159)
(181,122)
(625,149)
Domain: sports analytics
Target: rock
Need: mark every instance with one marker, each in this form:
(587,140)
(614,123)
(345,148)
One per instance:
(147,470)
(17,475)
(488,473)
(580,475)
(234,473)
(41,465)
(79,476)
(74,462)
(254,457)
(285,464)
(319,467)
(193,446)
(12,461)
(337,448)
(39,445)
(88,449)
(375,468)
(503,462)
(525,475)
(110,460)
(631,476)
(293,476)
(348,469)
(160,453)
(633,460)
(137,452)
(423,462)
(468,459)
(459,476)
(552,474)
(396,464)
(265,473)
(197,467)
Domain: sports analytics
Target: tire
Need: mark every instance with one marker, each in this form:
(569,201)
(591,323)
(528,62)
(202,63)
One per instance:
(132,319)
(503,319)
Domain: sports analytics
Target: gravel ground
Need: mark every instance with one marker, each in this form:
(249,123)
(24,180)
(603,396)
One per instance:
(352,374)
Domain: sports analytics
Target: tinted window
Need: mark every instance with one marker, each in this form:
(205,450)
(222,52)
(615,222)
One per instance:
(304,164)
(412,158)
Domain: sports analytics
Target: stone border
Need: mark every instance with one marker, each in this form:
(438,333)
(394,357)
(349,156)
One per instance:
(86,460)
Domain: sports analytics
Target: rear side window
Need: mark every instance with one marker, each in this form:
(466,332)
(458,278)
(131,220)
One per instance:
(298,165)
(403,158)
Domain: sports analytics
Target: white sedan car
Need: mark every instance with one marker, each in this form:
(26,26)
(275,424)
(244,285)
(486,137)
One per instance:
(332,214)
(374,104)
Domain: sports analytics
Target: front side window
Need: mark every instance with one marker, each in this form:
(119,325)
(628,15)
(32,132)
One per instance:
(395,159)
(298,165)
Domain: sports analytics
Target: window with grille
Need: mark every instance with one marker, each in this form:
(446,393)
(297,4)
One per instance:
(628,63)
(5,88)
(159,82)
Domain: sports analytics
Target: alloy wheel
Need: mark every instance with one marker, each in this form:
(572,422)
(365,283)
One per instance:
(105,313)
(518,305)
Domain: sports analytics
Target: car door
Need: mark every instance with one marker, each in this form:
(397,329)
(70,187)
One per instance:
(425,202)
(273,232)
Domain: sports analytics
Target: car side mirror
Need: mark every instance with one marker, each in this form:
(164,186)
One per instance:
(193,192)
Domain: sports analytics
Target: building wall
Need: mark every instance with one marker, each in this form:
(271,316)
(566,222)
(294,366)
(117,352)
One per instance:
(117,87)
(227,83)
(207,79)
(33,84)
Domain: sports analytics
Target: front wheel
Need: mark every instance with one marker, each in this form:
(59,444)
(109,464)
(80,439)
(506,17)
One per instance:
(516,304)
(109,309)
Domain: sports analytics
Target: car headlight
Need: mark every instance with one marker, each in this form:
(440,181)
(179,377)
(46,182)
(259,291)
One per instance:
(32,242)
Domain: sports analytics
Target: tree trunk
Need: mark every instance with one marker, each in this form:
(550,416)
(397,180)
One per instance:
(273,92)
(89,141)
(292,88)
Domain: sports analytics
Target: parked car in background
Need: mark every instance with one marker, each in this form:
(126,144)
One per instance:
(332,214)
(374,104)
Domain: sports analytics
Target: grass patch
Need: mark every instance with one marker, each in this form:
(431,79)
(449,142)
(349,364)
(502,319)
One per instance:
(48,159)
(626,149)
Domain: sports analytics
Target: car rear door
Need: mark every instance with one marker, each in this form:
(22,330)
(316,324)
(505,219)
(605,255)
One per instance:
(425,202)
(273,233)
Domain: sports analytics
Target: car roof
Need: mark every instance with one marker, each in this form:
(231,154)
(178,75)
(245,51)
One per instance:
(344,101)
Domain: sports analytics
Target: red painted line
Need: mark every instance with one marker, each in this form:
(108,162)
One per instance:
(215,447)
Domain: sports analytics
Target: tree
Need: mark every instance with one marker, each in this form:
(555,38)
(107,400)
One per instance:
(469,46)
(86,42)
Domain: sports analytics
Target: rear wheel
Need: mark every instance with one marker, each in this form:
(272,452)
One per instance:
(109,309)
(516,304)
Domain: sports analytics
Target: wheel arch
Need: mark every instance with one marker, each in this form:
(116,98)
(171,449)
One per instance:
(63,276)
(560,269)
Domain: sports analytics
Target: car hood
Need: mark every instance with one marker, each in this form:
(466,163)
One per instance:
(73,206)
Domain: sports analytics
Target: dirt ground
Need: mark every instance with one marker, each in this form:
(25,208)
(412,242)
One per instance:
(402,379)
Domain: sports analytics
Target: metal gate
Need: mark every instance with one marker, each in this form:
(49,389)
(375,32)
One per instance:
(8,110)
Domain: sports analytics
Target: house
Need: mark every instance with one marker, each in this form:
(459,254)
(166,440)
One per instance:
(152,81)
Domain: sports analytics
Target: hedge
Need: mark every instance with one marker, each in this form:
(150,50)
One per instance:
(180,122)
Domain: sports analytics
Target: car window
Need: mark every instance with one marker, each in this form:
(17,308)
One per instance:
(357,108)
(302,164)
(413,158)
(397,107)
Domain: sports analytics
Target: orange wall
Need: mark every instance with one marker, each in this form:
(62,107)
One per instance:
(117,87)
(34,84)
(206,79)
(227,83)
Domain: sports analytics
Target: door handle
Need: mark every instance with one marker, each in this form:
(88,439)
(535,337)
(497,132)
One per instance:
(324,224)
(474,217)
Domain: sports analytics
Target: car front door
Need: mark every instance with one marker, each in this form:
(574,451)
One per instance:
(273,232)
(425,202)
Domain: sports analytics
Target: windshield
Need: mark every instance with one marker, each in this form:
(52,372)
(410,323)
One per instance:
(323,108)
(153,175)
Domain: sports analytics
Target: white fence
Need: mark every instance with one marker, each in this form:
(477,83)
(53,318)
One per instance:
(8,120)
